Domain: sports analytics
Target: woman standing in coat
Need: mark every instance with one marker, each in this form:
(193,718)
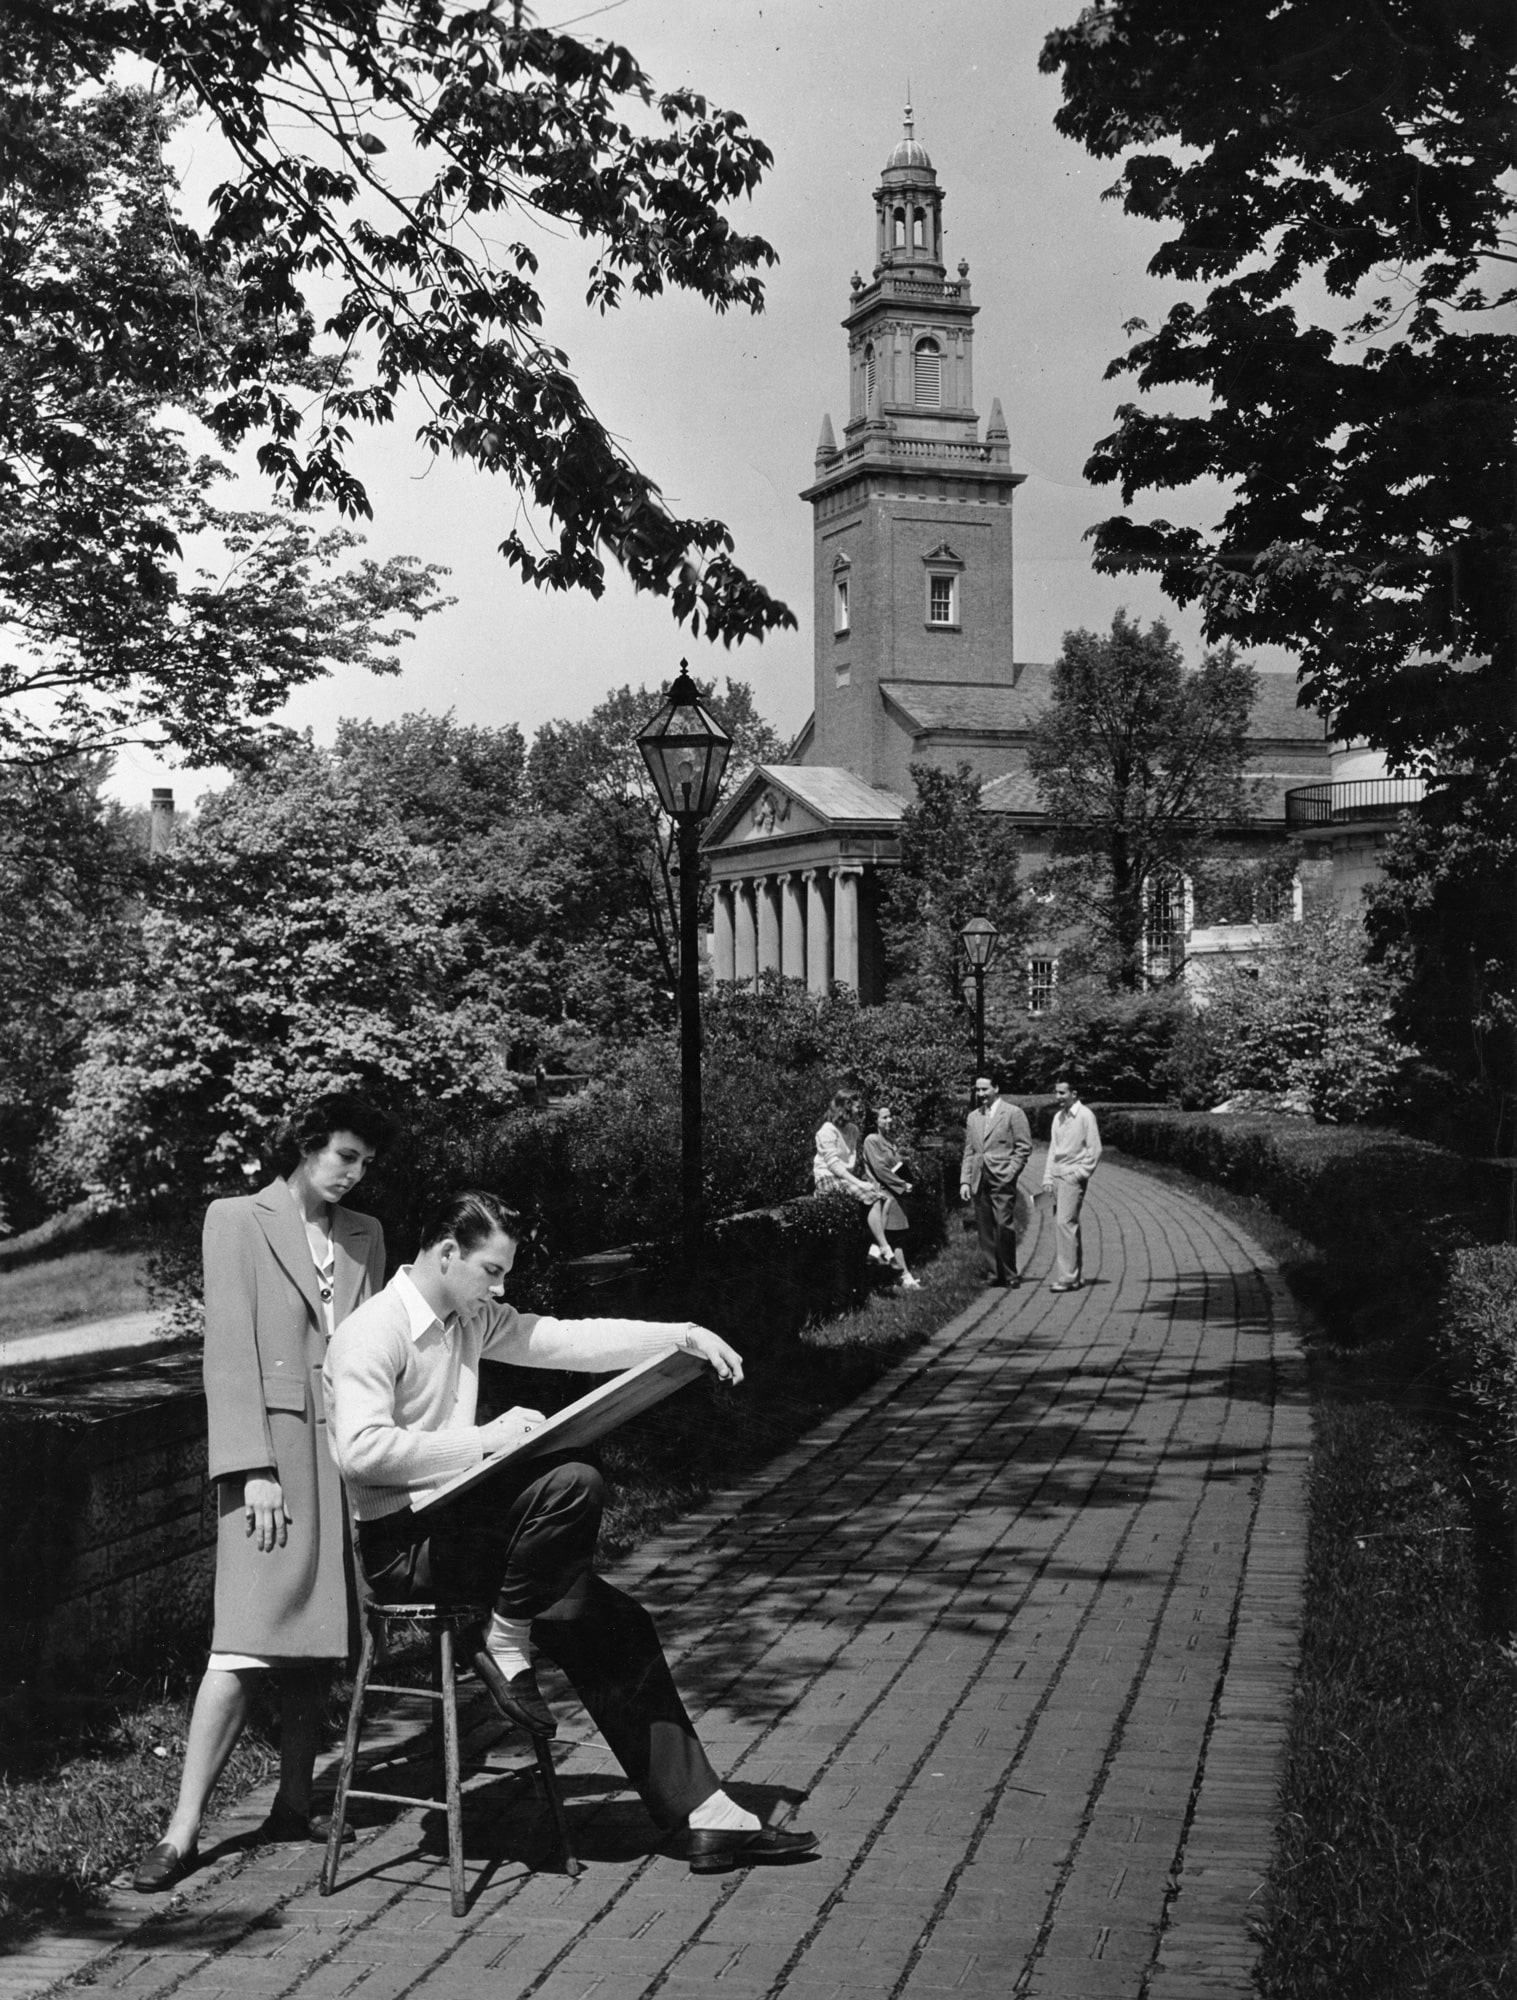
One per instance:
(282,1268)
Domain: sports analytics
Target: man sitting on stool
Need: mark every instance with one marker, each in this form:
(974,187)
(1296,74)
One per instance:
(402,1384)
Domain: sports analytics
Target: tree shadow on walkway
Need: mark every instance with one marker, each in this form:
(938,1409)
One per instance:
(947,1503)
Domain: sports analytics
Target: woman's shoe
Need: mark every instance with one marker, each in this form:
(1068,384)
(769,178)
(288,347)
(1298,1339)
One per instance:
(910,1284)
(877,1255)
(162,1866)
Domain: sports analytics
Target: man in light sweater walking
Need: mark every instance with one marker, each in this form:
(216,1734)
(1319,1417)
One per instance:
(401,1389)
(1074,1147)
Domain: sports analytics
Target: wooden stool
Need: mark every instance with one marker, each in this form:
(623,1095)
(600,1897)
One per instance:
(443,1621)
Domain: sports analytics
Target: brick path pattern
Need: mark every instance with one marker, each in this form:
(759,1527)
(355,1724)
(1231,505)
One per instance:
(1014,1633)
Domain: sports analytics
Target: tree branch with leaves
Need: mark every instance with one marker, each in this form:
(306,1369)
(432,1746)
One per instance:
(506,121)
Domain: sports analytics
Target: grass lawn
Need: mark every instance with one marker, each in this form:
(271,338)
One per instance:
(69,1290)
(87,1782)
(1392,1876)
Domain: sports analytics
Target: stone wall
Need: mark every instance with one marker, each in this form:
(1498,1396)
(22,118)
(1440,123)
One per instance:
(110,1560)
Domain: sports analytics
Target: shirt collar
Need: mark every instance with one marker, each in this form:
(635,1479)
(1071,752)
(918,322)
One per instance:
(420,1315)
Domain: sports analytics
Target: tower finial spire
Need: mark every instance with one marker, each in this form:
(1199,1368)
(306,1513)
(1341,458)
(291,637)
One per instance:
(910,115)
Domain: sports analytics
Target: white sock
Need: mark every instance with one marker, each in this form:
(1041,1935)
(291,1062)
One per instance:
(720,1815)
(508,1641)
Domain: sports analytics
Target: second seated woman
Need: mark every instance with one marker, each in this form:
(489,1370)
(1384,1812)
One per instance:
(886,1166)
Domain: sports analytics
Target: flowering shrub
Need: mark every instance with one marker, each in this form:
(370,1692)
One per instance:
(1117,1045)
(1310,1022)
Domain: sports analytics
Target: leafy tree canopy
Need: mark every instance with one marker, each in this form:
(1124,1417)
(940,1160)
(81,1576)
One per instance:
(106,338)
(72,867)
(1138,764)
(957,861)
(594,771)
(373,916)
(1335,178)
(1443,921)
(393,157)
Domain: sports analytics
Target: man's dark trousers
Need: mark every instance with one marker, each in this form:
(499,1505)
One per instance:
(526,1548)
(994,1214)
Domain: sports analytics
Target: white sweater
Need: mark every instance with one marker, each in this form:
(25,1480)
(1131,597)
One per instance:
(402,1388)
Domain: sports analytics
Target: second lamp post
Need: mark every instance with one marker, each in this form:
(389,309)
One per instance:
(686,750)
(979,938)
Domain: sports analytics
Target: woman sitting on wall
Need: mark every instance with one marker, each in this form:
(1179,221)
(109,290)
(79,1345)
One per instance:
(887,1169)
(834,1169)
(282,1269)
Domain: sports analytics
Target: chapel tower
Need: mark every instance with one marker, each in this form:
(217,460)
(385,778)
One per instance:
(912,515)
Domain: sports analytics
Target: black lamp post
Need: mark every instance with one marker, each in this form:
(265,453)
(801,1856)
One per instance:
(686,749)
(979,938)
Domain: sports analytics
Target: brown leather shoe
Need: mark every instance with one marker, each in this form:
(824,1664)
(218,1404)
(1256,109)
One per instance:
(518,1697)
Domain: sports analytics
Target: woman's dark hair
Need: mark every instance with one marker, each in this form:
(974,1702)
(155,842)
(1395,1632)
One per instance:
(842,1104)
(312,1125)
(470,1217)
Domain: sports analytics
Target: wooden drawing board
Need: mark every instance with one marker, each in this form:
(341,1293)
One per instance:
(604,1409)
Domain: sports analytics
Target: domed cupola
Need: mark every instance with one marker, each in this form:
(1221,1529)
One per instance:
(909,152)
(909,210)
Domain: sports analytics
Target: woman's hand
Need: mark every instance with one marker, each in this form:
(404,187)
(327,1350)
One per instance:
(264,1513)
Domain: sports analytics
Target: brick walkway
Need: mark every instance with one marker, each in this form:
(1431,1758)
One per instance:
(1014,1633)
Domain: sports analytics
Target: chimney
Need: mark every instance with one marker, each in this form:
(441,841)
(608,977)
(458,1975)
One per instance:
(160,837)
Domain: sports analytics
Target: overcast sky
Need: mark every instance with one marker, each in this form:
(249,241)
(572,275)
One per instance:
(723,412)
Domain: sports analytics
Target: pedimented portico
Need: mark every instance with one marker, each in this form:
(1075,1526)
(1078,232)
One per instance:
(794,855)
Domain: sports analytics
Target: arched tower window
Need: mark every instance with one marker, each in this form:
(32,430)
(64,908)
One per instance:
(868,374)
(927,374)
(919,229)
(898,230)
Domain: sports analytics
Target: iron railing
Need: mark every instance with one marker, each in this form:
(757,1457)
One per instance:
(1353,800)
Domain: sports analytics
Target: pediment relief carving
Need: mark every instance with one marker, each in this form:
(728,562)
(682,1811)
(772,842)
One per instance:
(769,811)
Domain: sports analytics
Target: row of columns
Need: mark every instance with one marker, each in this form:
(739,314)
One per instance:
(803,923)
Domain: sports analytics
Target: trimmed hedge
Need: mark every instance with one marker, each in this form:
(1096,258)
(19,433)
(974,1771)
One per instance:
(1328,1181)
(1388,1210)
(1477,1337)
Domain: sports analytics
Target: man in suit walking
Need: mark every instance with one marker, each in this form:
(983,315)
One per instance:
(997,1146)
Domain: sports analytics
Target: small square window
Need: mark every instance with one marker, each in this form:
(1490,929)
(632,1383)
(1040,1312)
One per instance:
(942,600)
(840,604)
(840,674)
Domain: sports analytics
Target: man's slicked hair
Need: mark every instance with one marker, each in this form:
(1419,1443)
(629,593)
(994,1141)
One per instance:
(471,1217)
